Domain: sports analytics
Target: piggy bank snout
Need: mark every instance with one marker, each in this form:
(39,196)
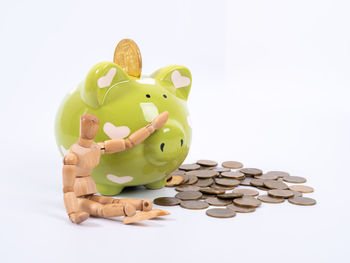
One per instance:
(166,144)
(172,144)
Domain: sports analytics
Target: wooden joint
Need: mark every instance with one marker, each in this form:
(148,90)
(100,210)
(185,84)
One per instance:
(102,147)
(85,142)
(115,201)
(67,189)
(128,144)
(150,128)
(70,159)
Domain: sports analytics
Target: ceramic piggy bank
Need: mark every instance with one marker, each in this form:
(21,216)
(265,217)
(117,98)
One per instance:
(123,104)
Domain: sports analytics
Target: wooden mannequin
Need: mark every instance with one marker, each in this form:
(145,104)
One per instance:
(79,188)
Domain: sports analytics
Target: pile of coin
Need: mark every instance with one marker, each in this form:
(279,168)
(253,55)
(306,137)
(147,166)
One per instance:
(204,184)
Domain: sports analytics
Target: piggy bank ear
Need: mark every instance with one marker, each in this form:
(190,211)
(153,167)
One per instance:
(100,79)
(177,78)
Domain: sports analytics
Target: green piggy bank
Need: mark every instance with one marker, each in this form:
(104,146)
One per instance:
(124,104)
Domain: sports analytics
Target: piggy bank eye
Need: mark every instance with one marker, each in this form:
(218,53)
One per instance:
(148,96)
(165,96)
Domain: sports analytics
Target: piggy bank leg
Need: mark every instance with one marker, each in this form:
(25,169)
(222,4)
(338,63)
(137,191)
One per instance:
(106,189)
(156,185)
(141,205)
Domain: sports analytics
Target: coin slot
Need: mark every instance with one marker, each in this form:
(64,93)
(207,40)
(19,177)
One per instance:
(162,146)
(148,96)
(182,142)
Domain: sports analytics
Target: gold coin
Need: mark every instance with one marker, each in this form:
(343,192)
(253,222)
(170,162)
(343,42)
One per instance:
(246,191)
(187,187)
(234,175)
(167,201)
(189,166)
(220,169)
(212,191)
(203,174)
(280,174)
(188,195)
(227,182)
(174,181)
(251,171)
(192,179)
(272,184)
(247,201)
(222,187)
(230,195)
(301,188)
(281,193)
(257,182)
(220,212)
(294,179)
(232,165)
(270,199)
(207,163)
(302,200)
(194,204)
(204,182)
(246,181)
(128,56)
(218,202)
(186,178)
(241,209)
(267,176)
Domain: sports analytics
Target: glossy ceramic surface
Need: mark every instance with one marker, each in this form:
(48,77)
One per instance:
(124,104)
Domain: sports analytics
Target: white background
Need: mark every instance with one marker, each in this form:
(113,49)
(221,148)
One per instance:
(270,89)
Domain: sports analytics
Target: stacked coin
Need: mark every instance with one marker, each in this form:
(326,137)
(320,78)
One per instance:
(204,184)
